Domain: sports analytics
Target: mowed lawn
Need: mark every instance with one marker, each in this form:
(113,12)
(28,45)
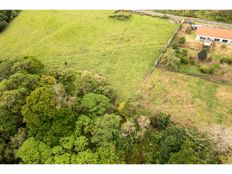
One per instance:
(189,100)
(123,51)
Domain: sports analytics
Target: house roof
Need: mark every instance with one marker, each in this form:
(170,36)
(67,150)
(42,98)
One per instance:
(214,32)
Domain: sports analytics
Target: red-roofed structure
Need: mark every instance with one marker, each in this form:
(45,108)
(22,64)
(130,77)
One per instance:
(214,34)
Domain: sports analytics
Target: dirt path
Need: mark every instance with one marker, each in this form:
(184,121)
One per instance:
(180,18)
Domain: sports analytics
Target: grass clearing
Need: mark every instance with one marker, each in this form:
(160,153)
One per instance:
(192,102)
(189,100)
(123,51)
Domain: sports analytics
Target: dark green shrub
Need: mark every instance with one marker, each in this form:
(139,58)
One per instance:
(27,64)
(6,16)
(226,60)
(121,16)
(184,60)
(184,52)
(181,40)
(171,142)
(162,120)
(213,68)
(202,55)
(175,46)
(165,17)
(183,55)
(209,70)
(5,69)
(3,25)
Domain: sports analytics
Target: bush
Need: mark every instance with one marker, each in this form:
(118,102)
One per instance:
(5,69)
(184,52)
(184,60)
(226,60)
(209,70)
(204,69)
(183,55)
(175,46)
(202,55)
(162,120)
(6,16)
(121,16)
(181,40)
(169,58)
(165,17)
(25,64)
(213,68)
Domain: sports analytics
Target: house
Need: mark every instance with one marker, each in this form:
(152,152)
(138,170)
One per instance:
(211,34)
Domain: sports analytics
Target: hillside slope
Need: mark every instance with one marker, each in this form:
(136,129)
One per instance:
(89,40)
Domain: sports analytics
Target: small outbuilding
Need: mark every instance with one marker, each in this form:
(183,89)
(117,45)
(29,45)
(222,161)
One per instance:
(212,34)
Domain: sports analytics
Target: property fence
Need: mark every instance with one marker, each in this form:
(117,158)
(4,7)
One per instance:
(202,76)
(167,45)
(169,40)
(161,15)
(178,20)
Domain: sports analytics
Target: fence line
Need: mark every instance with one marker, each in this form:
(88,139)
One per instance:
(201,76)
(169,40)
(157,15)
(167,45)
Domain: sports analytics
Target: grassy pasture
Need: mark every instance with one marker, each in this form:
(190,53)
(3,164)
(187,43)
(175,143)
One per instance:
(192,102)
(123,51)
(189,100)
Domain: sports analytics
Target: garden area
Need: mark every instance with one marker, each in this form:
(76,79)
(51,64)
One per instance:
(190,56)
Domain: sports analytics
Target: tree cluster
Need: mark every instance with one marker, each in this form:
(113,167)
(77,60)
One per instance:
(6,16)
(57,117)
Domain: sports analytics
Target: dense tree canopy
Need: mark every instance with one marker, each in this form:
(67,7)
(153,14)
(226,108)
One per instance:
(6,16)
(58,117)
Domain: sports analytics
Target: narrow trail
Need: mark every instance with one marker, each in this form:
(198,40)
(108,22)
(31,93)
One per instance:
(42,29)
(180,18)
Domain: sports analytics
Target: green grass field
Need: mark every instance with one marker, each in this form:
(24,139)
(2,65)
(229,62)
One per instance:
(123,51)
(189,100)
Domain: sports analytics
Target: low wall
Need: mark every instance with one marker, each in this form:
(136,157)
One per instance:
(168,44)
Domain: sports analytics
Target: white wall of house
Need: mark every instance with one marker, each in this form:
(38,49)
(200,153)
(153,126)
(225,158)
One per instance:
(214,39)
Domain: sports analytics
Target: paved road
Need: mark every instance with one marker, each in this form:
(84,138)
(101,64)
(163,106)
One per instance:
(180,18)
